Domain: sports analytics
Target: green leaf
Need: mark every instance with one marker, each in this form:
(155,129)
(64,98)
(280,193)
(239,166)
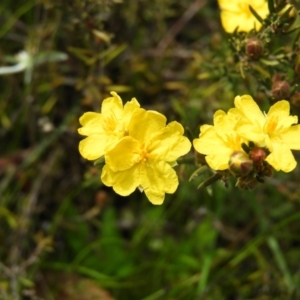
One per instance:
(256,15)
(271,6)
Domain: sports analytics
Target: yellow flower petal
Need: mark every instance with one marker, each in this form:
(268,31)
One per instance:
(249,109)
(251,132)
(169,144)
(209,141)
(124,182)
(237,14)
(123,155)
(112,105)
(158,178)
(144,124)
(279,118)
(91,122)
(290,137)
(93,147)
(222,123)
(282,159)
(280,109)
(129,108)
(220,160)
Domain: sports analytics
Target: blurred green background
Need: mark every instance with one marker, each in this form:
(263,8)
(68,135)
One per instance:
(63,235)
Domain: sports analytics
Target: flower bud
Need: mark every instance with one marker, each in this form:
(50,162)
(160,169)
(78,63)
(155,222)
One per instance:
(280,90)
(246,183)
(254,48)
(278,77)
(295,99)
(268,171)
(240,164)
(257,155)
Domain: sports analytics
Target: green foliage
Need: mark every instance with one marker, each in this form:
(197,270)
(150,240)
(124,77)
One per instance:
(57,219)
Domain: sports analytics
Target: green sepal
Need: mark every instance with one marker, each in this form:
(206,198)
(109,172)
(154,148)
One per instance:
(99,161)
(271,6)
(256,15)
(245,147)
(210,180)
(280,6)
(199,171)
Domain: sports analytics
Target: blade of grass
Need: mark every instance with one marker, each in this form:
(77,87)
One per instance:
(279,257)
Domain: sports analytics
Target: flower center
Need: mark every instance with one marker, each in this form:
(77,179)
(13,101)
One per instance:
(142,153)
(233,141)
(271,125)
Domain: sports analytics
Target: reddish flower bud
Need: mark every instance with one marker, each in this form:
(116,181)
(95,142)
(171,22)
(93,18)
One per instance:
(257,155)
(254,48)
(280,90)
(295,99)
(268,171)
(240,164)
(246,183)
(278,77)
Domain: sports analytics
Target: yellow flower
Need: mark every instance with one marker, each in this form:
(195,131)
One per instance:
(236,14)
(218,142)
(274,130)
(105,128)
(145,157)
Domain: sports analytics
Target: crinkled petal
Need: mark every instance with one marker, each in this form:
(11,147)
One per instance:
(205,127)
(124,182)
(287,122)
(158,178)
(220,160)
(222,123)
(129,108)
(113,105)
(123,155)
(209,142)
(279,110)
(290,137)
(251,132)
(93,147)
(91,122)
(144,124)
(250,110)
(283,159)
(169,144)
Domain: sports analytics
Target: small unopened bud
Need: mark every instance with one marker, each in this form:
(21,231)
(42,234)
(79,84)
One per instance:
(278,77)
(246,183)
(280,90)
(254,48)
(295,99)
(257,155)
(268,171)
(240,164)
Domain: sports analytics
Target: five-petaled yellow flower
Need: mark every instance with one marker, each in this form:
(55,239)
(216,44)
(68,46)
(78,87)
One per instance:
(235,14)
(106,128)
(218,142)
(275,130)
(145,157)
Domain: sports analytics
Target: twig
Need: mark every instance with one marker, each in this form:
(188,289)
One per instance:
(179,25)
